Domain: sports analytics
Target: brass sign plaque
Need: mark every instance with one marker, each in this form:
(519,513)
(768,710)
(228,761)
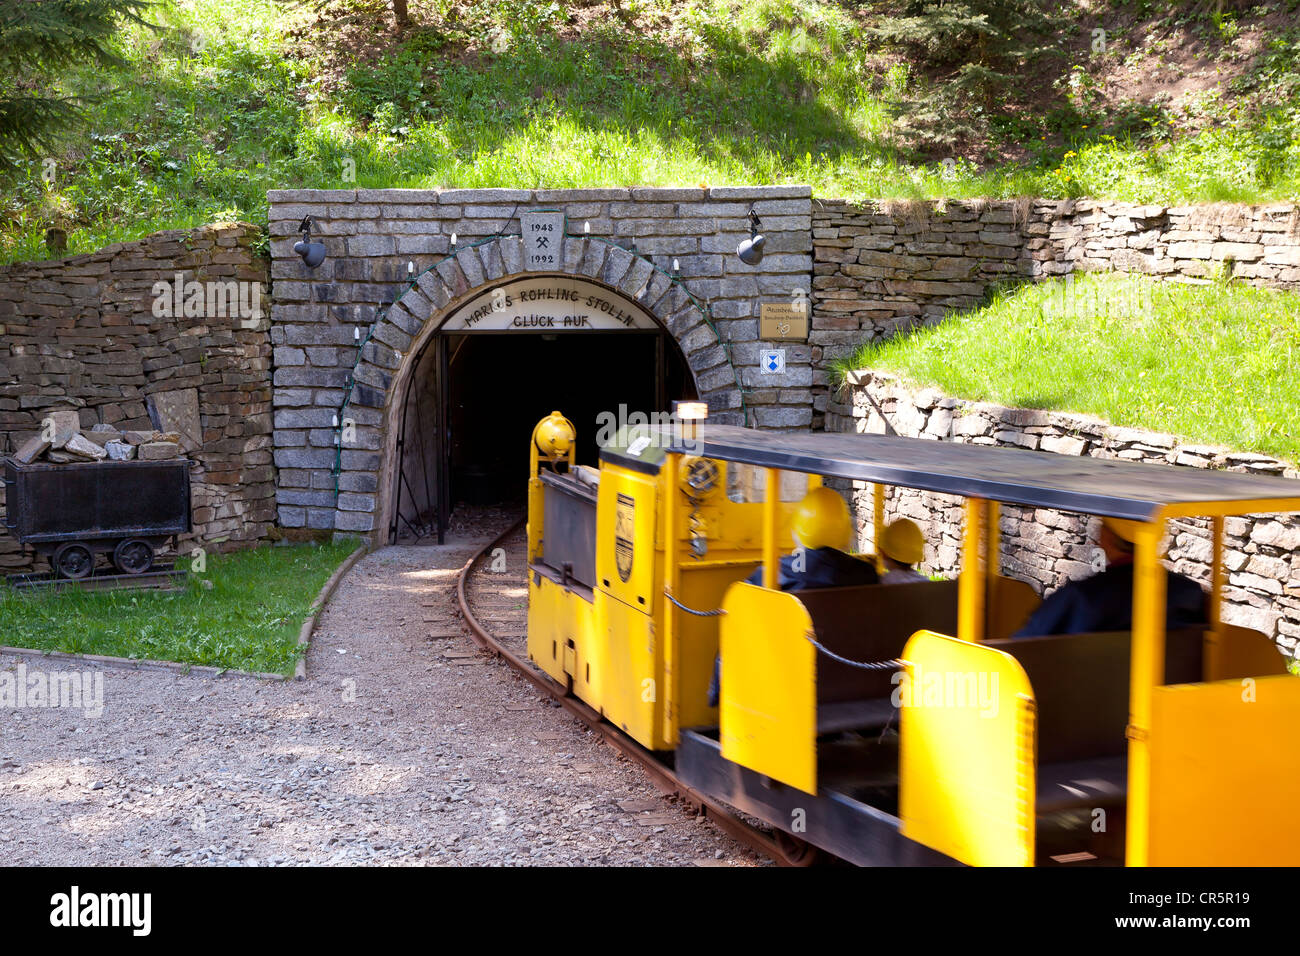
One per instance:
(783,322)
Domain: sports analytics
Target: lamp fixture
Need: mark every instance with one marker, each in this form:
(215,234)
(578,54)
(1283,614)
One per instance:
(312,253)
(750,250)
(688,415)
(690,411)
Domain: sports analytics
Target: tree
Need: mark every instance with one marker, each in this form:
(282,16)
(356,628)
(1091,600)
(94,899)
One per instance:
(401,14)
(977,51)
(37,38)
(980,41)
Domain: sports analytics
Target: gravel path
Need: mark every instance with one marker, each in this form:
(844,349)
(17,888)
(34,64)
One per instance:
(401,747)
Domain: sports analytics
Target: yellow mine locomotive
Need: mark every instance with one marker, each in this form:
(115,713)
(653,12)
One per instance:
(903,724)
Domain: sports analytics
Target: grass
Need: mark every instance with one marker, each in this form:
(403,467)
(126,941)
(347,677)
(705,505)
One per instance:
(248,620)
(1210,363)
(225,100)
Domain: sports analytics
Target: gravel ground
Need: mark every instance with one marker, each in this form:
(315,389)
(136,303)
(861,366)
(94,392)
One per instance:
(402,747)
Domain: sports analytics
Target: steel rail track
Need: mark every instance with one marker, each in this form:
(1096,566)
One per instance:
(161,577)
(661,775)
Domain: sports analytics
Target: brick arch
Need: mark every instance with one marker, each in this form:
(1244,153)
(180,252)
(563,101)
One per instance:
(388,358)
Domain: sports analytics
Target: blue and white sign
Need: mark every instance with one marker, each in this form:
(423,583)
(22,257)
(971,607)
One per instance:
(772,361)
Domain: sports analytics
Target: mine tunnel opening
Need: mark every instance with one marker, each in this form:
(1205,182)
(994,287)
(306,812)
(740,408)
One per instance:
(483,392)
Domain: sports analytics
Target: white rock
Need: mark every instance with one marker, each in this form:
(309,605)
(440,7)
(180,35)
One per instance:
(119,451)
(84,448)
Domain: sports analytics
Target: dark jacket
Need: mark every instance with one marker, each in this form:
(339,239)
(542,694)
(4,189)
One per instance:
(1104,602)
(822,568)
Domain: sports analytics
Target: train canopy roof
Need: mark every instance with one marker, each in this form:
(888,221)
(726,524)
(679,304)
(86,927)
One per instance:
(1112,488)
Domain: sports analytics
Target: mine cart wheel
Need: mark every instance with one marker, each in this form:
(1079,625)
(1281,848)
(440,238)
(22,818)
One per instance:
(133,556)
(74,561)
(794,851)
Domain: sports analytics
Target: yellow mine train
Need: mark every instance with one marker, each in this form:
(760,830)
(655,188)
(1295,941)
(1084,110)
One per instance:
(955,743)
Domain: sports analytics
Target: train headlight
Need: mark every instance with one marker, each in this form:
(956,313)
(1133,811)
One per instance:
(688,415)
(691,411)
(554,436)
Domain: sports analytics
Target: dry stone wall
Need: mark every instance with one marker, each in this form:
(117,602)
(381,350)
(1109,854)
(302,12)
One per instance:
(82,333)
(1047,548)
(881,268)
(85,334)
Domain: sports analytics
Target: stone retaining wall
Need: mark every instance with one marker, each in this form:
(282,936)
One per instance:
(81,333)
(1048,548)
(880,268)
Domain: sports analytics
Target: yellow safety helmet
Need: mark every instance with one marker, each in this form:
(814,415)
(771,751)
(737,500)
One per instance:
(903,541)
(555,435)
(822,520)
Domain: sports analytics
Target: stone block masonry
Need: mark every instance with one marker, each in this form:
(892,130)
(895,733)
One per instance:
(377,240)
(80,333)
(84,334)
(1047,548)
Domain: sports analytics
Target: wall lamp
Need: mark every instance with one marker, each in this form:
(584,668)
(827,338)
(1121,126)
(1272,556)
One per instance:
(751,249)
(313,253)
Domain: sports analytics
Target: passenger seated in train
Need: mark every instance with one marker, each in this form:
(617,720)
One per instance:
(1104,602)
(822,528)
(902,545)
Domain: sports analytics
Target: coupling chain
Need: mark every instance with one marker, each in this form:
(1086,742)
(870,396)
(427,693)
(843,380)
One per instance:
(896,664)
(716,612)
(891,665)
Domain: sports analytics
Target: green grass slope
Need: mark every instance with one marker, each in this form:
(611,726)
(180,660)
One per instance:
(1210,363)
(227,98)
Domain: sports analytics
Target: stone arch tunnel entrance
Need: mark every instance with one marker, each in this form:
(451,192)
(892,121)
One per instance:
(491,367)
(394,337)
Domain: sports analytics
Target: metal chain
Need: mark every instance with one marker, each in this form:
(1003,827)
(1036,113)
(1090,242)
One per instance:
(893,665)
(717,611)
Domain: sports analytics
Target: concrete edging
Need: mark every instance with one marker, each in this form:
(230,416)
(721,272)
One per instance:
(145,664)
(326,592)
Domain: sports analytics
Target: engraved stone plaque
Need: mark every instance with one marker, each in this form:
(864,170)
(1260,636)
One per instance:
(543,240)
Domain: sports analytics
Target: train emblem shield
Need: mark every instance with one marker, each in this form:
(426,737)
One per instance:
(623,525)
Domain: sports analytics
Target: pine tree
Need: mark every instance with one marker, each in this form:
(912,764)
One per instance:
(37,38)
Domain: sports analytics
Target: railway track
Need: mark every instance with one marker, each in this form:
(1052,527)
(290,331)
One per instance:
(161,578)
(499,627)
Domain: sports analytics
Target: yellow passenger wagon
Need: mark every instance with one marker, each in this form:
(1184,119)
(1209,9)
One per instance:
(902,724)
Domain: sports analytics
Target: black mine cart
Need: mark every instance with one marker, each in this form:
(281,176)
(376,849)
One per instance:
(122,509)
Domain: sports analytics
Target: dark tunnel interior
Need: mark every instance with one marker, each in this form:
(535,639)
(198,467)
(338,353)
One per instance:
(500,385)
